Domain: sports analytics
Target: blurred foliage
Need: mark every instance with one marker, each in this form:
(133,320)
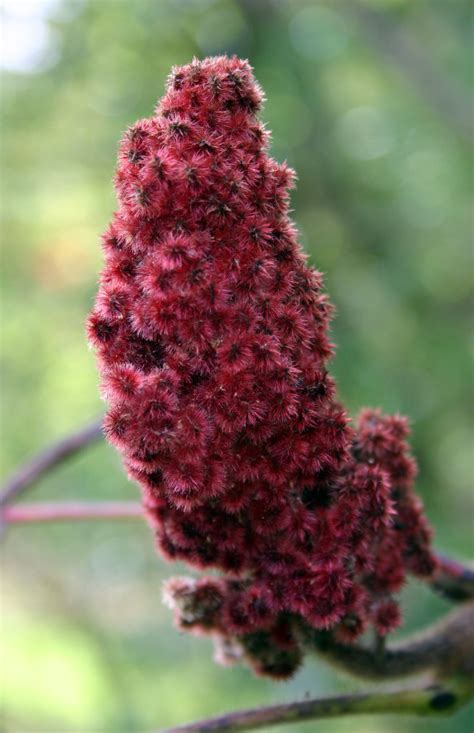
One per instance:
(383,205)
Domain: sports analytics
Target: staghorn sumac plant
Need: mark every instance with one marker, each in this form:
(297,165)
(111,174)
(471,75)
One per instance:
(211,334)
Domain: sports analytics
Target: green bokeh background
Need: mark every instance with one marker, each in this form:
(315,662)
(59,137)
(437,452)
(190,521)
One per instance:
(376,126)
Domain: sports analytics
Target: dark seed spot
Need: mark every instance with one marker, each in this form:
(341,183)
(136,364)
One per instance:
(158,167)
(127,269)
(178,80)
(141,196)
(234,79)
(316,390)
(234,352)
(104,331)
(197,378)
(443,701)
(179,129)
(155,478)
(215,85)
(134,156)
(207,147)
(190,530)
(146,355)
(283,255)
(191,175)
(315,497)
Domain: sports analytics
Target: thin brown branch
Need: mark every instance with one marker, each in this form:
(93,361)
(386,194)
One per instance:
(446,648)
(453,579)
(425,700)
(71,510)
(397,48)
(31,471)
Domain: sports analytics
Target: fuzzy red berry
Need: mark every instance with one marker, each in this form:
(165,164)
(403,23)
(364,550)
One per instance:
(212,339)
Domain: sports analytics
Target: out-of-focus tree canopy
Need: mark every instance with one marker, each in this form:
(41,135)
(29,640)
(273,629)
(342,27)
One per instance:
(369,100)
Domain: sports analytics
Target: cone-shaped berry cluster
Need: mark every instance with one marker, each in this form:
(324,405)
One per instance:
(211,335)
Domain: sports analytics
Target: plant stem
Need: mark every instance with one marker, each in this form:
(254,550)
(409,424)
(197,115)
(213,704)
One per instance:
(59,511)
(446,648)
(426,700)
(48,459)
(453,579)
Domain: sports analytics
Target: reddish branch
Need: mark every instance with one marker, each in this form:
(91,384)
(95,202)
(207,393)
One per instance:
(31,471)
(74,510)
(445,648)
(453,579)
(422,700)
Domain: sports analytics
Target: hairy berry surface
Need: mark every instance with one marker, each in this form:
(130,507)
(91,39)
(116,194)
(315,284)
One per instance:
(211,333)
